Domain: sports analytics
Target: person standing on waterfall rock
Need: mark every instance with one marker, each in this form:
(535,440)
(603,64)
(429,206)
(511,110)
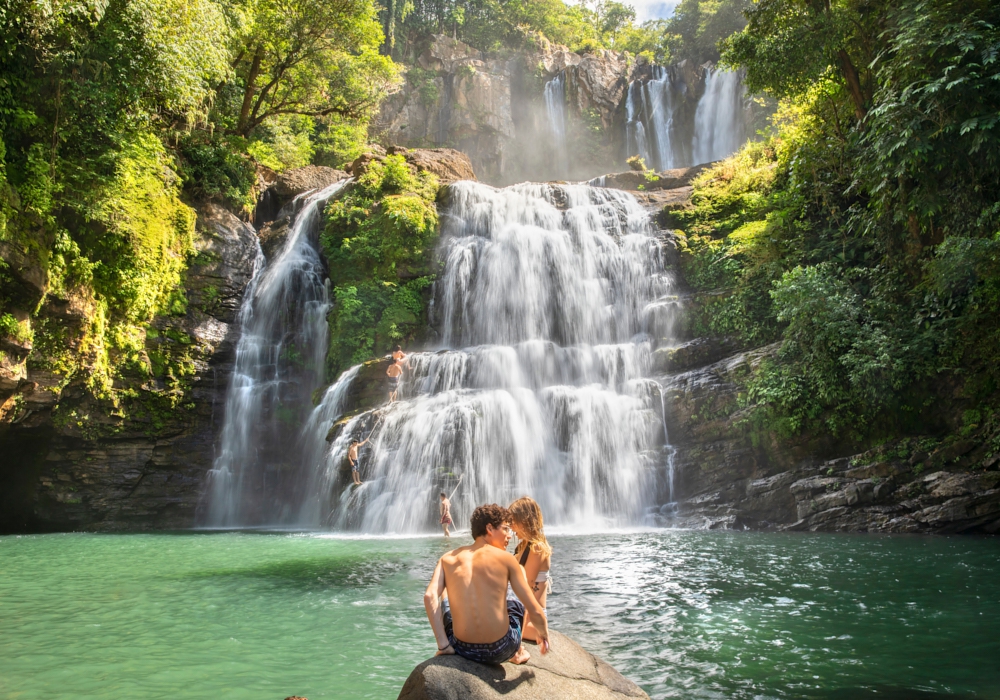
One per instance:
(394,372)
(477,621)
(352,457)
(445,508)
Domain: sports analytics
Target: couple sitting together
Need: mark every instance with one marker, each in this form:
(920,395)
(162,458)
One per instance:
(468,602)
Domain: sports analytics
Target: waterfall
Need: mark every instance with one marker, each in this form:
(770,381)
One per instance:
(548,307)
(279,364)
(718,121)
(668,130)
(651,110)
(555,108)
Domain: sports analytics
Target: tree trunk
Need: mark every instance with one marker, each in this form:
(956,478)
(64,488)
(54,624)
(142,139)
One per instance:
(853,84)
(248,92)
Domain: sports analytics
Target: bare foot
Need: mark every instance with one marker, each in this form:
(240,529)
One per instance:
(521,657)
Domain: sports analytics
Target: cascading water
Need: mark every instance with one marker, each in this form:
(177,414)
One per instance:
(555,108)
(651,111)
(548,305)
(718,122)
(668,131)
(279,364)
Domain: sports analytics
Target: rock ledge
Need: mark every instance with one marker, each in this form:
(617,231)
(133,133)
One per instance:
(568,671)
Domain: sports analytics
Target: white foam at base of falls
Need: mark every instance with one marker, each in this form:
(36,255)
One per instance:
(549,303)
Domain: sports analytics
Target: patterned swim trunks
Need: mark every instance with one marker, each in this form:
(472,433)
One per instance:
(495,652)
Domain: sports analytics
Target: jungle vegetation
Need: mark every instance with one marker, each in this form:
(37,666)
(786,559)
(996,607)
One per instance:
(503,26)
(116,114)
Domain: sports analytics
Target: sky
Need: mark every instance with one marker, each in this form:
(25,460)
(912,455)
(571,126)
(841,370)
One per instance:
(647,9)
(652,9)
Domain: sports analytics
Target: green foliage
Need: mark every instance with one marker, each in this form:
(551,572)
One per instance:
(425,82)
(20,331)
(378,242)
(305,58)
(217,169)
(504,25)
(934,131)
(112,113)
(339,140)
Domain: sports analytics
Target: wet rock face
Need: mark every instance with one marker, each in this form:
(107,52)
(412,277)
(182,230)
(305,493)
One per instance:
(275,204)
(74,462)
(598,82)
(456,99)
(292,183)
(567,671)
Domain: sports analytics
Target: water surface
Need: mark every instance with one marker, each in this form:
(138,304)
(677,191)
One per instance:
(684,614)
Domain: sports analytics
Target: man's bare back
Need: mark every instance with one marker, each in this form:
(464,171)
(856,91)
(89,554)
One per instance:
(476,579)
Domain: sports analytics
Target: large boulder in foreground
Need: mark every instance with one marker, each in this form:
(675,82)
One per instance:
(566,672)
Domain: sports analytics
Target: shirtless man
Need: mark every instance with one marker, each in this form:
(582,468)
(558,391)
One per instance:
(477,621)
(445,509)
(352,457)
(394,372)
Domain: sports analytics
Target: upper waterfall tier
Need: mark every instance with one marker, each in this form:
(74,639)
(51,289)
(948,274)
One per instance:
(671,123)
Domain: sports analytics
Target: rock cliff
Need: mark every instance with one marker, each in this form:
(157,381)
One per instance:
(567,671)
(69,460)
(546,115)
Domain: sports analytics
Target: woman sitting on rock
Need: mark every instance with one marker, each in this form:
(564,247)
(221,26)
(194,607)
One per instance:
(533,553)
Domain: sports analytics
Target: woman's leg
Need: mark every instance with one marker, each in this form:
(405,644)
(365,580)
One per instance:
(529,634)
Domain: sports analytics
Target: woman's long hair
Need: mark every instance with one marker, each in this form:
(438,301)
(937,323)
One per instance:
(527,515)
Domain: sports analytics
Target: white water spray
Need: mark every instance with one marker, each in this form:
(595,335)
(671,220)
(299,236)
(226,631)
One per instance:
(548,306)
(718,123)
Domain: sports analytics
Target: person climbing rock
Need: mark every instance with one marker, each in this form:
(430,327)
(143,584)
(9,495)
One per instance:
(394,372)
(352,457)
(399,356)
(445,508)
(477,621)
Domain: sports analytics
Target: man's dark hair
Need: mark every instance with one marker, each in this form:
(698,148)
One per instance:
(399,348)
(491,514)
(443,494)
